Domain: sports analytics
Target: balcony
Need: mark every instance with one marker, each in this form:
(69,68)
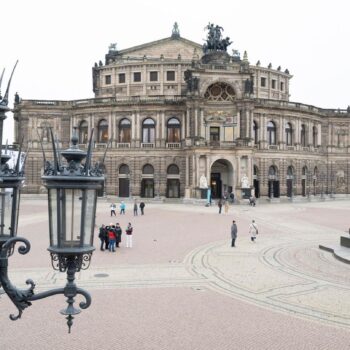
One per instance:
(147,145)
(100,145)
(123,145)
(273,147)
(173,145)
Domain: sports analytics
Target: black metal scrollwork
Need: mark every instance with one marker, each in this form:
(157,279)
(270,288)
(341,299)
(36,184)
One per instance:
(22,298)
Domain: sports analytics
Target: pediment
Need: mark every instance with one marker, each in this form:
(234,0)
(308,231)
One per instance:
(168,47)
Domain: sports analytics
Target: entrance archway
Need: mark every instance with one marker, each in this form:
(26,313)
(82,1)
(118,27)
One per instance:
(256,181)
(221,178)
(274,184)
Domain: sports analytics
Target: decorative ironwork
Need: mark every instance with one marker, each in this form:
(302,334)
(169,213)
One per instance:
(61,261)
(23,298)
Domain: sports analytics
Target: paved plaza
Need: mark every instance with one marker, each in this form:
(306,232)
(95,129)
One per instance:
(182,286)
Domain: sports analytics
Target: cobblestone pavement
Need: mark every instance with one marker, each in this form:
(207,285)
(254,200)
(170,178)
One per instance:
(183,287)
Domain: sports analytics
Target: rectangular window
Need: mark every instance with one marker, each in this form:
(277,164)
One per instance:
(273,84)
(214,133)
(137,77)
(170,75)
(121,78)
(108,79)
(282,86)
(153,76)
(263,82)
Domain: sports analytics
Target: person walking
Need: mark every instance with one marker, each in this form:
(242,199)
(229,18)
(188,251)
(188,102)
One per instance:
(220,205)
(233,233)
(128,232)
(142,207)
(226,206)
(253,230)
(102,236)
(135,208)
(122,208)
(112,238)
(118,233)
(113,207)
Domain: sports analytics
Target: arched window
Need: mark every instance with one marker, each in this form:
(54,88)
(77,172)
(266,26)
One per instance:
(290,171)
(314,136)
(271,133)
(103,131)
(124,131)
(124,169)
(148,131)
(255,171)
(83,132)
(255,132)
(289,134)
(220,92)
(304,170)
(272,171)
(173,130)
(173,169)
(148,169)
(303,135)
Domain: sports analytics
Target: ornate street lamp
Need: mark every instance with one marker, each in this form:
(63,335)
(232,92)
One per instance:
(72,194)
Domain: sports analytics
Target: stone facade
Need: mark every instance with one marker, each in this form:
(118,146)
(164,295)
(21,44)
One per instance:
(172,114)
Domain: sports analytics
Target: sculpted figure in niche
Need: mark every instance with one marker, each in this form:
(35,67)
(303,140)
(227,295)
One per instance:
(203,182)
(244,181)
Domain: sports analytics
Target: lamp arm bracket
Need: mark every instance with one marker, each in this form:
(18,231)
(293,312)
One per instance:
(19,297)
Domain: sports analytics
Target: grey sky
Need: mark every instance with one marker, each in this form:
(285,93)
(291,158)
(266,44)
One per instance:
(57,42)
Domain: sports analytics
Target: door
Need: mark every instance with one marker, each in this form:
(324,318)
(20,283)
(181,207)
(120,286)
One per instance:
(256,188)
(289,187)
(173,188)
(124,187)
(147,188)
(216,184)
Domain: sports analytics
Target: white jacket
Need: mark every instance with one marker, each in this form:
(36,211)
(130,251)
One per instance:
(253,229)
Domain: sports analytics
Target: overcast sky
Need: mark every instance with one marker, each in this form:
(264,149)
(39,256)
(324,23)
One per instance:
(57,42)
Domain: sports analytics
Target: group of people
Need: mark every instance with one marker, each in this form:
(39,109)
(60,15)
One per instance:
(253,231)
(122,208)
(111,236)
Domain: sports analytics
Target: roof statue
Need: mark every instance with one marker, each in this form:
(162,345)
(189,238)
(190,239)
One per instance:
(112,47)
(215,40)
(175,34)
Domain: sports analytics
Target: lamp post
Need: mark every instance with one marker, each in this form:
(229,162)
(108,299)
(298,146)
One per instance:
(72,197)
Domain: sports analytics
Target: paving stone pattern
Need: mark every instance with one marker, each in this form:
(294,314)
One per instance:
(183,287)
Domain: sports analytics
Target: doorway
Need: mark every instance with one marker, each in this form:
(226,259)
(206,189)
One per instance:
(147,188)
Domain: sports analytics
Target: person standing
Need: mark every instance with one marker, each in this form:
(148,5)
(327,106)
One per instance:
(118,233)
(142,207)
(112,238)
(233,233)
(102,236)
(128,232)
(113,207)
(253,230)
(122,208)
(135,208)
(220,205)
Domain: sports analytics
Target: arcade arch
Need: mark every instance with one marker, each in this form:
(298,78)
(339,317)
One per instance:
(221,178)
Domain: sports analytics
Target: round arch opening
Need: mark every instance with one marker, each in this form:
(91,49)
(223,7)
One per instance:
(221,179)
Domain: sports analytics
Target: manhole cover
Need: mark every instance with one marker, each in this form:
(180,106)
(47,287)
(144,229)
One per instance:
(101,275)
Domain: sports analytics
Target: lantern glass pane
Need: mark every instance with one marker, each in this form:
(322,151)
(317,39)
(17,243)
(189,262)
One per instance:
(73,206)
(6,205)
(89,216)
(53,216)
